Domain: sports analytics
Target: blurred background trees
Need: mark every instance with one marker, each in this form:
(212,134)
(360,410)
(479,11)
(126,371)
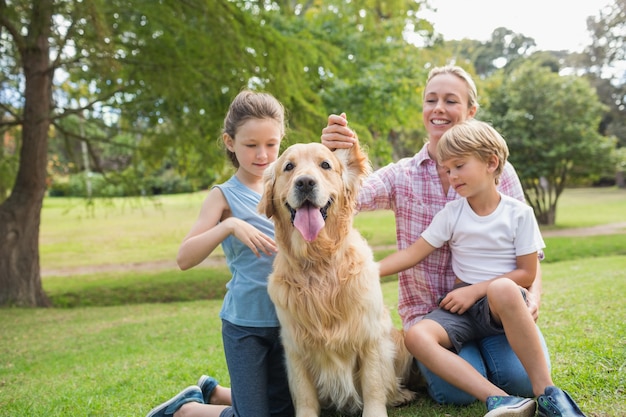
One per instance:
(102,98)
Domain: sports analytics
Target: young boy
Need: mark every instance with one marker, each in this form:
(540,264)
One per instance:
(494,241)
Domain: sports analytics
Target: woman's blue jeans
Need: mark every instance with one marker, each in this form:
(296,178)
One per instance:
(494,358)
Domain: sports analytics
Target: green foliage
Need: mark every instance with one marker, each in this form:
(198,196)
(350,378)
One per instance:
(551,124)
(608,36)
(600,63)
(8,169)
(128,183)
(504,48)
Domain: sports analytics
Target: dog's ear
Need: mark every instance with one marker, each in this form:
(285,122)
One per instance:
(357,166)
(266,205)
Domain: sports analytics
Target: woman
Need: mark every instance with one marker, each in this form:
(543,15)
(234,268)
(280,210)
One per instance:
(415,189)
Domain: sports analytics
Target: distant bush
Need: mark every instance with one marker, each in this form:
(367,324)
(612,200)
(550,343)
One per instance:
(124,184)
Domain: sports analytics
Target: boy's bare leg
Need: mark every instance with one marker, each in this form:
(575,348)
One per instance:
(194,409)
(221,396)
(428,342)
(508,307)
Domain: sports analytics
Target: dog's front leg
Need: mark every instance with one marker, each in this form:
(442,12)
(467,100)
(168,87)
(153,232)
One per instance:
(303,389)
(375,382)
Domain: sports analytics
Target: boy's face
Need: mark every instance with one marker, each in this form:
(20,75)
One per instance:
(469,175)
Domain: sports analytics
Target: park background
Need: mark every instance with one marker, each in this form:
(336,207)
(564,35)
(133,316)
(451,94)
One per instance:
(110,119)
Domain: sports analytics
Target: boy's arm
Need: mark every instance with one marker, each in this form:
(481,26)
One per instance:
(459,300)
(524,274)
(406,258)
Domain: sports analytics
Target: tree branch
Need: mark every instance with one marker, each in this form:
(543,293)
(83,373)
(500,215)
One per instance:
(10,27)
(78,110)
(17,120)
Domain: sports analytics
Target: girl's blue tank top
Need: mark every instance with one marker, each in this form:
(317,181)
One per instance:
(246,302)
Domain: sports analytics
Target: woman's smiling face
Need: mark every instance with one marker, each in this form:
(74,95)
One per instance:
(445,104)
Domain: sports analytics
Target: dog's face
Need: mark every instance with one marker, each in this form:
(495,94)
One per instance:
(310,187)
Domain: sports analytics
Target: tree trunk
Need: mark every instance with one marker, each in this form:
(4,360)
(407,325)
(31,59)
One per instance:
(620,181)
(20,214)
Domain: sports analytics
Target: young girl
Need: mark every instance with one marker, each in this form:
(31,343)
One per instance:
(494,240)
(253,129)
(415,189)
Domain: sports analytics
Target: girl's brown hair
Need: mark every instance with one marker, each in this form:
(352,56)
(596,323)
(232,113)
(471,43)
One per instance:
(251,105)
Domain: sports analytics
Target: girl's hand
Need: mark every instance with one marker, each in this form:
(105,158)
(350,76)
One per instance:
(458,301)
(252,237)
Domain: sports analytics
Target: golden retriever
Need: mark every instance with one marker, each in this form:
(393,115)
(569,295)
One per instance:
(341,347)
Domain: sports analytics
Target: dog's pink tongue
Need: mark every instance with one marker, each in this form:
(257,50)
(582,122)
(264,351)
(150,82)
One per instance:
(309,222)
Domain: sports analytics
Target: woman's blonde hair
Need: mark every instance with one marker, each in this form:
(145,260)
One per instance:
(473,138)
(472,93)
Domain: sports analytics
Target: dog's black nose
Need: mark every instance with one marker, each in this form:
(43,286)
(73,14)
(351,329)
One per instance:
(305,184)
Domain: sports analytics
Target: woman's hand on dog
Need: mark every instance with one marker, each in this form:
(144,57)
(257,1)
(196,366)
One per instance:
(337,134)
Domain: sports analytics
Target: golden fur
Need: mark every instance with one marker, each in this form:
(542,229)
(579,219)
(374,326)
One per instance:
(341,347)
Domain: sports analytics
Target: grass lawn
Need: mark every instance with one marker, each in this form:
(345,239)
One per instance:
(132,340)
(122,360)
(133,230)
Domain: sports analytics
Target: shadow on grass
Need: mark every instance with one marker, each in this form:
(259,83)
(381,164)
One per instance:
(113,289)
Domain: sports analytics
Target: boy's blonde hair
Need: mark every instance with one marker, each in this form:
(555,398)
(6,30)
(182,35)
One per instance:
(473,138)
(472,93)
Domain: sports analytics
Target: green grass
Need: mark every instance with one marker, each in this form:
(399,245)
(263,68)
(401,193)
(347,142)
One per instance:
(585,207)
(135,230)
(119,352)
(115,231)
(122,360)
(115,288)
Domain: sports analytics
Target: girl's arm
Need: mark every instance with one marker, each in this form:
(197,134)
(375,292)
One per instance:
(406,258)
(214,224)
(206,233)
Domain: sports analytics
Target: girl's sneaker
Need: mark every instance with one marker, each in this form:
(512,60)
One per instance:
(168,408)
(510,406)
(207,384)
(557,403)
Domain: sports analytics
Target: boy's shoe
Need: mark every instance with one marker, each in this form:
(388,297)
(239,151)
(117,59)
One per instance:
(207,384)
(168,408)
(555,402)
(510,406)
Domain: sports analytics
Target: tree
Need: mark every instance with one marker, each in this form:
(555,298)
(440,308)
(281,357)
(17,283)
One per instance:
(156,77)
(601,62)
(502,49)
(608,36)
(20,213)
(152,69)
(550,123)
(376,75)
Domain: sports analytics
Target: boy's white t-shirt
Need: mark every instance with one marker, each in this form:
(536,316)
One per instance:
(484,247)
